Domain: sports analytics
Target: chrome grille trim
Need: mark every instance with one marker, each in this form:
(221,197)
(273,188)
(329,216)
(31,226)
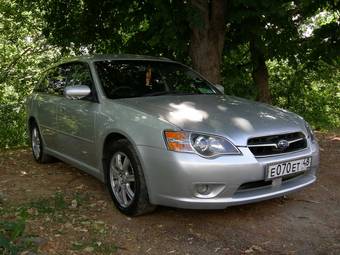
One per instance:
(265,146)
(279,154)
(274,144)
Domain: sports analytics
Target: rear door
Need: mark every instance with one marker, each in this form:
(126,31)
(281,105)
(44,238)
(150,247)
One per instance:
(76,117)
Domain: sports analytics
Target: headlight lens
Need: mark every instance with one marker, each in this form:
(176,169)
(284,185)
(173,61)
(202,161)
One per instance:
(209,146)
(310,132)
(202,144)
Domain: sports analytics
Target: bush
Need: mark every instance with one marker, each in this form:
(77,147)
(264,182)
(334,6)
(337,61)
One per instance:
(311,93)
(12,125)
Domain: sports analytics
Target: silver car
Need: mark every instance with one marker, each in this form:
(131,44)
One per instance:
(157,133)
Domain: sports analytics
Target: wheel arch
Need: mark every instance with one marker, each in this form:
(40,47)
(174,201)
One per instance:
(109,139)
(114,136)
(31,121)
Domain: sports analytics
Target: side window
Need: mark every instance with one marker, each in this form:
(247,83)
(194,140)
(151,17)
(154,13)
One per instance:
(70,74)
(52,83)
(56,81)
(79,74)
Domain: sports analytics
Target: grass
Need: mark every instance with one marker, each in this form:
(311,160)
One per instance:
(94,246)
(13,236)
(40,206)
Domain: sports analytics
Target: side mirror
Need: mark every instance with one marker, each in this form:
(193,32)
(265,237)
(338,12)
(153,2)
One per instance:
(77,92)
(220,88)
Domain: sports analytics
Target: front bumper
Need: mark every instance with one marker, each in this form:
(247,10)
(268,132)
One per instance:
(172,177)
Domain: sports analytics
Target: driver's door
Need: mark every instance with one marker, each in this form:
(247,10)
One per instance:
(76,117)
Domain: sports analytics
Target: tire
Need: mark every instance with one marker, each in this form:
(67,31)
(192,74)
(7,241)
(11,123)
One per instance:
(125,179)
(37,146)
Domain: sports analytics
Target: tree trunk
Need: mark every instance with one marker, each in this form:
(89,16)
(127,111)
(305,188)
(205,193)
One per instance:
(207,41)
(260,71)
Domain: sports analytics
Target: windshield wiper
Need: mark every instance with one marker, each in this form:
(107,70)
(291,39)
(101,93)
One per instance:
(159,93)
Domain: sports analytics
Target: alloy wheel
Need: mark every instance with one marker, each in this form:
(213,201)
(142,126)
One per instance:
(122,179)
(36,143)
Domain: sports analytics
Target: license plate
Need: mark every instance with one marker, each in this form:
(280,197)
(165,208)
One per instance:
(288,167)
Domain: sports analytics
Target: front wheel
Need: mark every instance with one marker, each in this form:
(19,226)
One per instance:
(125,180)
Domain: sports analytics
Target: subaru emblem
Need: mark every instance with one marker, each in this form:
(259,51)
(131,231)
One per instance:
(282,144)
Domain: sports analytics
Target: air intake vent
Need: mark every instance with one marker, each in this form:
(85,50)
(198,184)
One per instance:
(277,144)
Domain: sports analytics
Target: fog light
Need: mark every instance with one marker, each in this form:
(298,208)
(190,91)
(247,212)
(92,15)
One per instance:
(202,189)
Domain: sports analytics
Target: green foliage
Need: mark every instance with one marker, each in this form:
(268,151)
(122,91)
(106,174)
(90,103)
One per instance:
(10,231)
(236,73)
(105,26)
(12,124)
(95,246)
(268,23)
(59,209)
(24,53)
(303,67)
(13,239)
(314,94)
(48,205)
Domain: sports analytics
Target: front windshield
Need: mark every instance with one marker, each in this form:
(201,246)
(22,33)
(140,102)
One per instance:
(137,78)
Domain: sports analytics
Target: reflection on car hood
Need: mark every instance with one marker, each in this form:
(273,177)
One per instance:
(231,117)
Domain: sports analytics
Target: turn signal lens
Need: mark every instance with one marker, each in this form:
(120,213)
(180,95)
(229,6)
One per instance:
(178,141)
(202,144)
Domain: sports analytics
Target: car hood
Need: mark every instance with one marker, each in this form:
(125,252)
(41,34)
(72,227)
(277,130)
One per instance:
(234,118)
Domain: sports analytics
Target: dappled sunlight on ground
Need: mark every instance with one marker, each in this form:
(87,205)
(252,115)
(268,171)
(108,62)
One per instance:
(74,214)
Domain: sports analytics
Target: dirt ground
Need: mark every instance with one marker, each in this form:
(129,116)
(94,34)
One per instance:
(85,222)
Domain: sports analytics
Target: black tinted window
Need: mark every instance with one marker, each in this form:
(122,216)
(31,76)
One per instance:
(56,81)
(52,82)
(77,74)
(70,74)
(121,79)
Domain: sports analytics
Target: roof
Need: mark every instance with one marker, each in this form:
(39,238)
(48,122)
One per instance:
(102,57)
(90,58)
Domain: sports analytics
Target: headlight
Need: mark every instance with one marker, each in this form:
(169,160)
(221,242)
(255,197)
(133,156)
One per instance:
(202,144)
(310,132)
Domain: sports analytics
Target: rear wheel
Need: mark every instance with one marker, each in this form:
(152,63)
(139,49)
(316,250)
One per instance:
(37,146)
(125,180)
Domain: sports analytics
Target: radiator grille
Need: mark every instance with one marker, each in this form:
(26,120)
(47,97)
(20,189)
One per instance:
(277,144)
